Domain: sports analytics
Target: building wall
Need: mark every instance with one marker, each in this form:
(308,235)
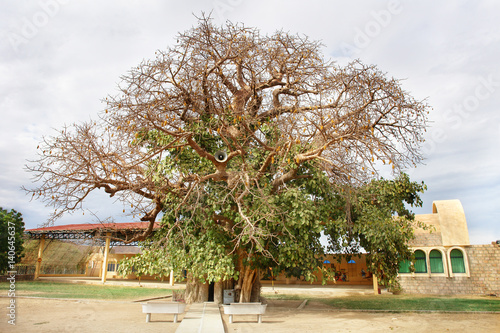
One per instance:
(352,271)
(452,222)
(94,267)
(482,276)
(426,239)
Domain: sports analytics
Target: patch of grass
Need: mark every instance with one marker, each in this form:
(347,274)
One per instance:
(284,297)
(85,291)
(401,302)
(413,303)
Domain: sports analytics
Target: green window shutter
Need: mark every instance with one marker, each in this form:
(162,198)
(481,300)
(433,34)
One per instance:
(436,262)
(420,263)
(457,261)
(404,266)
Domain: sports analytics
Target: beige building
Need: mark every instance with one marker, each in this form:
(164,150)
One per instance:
(445,261)
(349,272)
(115,255)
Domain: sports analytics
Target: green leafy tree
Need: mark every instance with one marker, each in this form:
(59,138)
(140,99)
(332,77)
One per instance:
(150,262)
(11,239)
(380,222)
(246,143)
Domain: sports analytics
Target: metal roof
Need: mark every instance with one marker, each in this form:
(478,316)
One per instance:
(86,227)
(124,231)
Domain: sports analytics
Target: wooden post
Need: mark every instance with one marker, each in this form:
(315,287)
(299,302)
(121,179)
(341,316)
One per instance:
(375,285)
(172,277)
(39,260)
(105,262)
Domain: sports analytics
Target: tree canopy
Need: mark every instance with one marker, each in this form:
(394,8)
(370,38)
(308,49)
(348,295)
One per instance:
(11,239)
(301,136)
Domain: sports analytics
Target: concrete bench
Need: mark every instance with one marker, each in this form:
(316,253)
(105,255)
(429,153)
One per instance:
(162,307)
(245,309)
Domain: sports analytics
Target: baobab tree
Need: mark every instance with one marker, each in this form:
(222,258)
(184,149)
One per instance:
(245,144)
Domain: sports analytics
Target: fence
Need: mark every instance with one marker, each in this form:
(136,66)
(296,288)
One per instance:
(62,269)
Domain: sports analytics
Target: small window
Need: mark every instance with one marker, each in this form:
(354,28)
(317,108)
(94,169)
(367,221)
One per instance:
(404,266)
(457,261)
(420,262)
(436,261)
(111,267)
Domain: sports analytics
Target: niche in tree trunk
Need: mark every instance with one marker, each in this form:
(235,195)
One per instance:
(211,290)
(198,292)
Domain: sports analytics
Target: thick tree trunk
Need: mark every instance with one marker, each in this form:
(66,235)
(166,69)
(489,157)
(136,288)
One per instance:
(249,289)
(249,285)
(196,292)
(218,292)
(255,296)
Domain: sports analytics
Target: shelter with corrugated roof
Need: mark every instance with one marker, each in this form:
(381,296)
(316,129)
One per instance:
(107,234)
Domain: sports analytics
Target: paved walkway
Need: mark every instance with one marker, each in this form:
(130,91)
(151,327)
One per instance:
(202,318)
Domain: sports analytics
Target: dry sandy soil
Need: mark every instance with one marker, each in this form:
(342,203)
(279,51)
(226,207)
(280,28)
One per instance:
(48,315)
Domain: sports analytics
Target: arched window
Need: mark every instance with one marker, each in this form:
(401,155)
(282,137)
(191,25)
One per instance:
(420,262)
(404,266)
(457,261)
(436,261)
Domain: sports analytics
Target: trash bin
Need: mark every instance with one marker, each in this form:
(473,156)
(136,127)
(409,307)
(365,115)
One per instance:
(228,296)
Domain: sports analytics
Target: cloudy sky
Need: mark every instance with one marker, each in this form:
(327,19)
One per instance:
(59,59)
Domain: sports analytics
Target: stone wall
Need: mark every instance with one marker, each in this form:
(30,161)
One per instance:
(484,268)
(426,239)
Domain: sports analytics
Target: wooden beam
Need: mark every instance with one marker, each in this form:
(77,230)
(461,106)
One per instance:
(39,259)
(375,285)
(172,277)
(105,262)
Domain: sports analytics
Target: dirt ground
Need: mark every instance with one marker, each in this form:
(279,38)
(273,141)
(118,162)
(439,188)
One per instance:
(48,315)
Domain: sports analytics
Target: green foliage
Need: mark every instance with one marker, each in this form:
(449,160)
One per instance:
(149,262)
(375,217)
(201,245)
(286,236)
(206,257)
(379,221)
(11,239)
(208,234)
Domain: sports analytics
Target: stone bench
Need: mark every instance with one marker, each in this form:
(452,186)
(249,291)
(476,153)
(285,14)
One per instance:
(175,308)
(245,309)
